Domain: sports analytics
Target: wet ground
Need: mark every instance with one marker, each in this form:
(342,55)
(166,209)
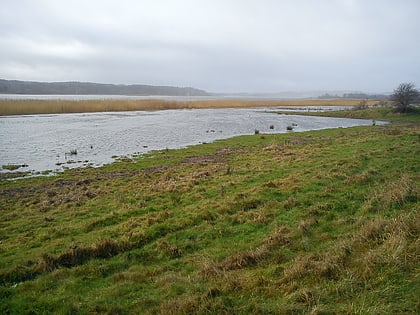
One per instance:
(39,143)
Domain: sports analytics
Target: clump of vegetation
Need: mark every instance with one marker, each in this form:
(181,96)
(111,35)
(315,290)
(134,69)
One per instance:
(12,167)
(298,223)
(363,104)
(404,97)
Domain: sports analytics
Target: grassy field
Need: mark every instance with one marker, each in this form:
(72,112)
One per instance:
(21,107)
(321,222)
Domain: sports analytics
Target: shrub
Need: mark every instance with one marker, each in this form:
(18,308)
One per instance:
(405,95)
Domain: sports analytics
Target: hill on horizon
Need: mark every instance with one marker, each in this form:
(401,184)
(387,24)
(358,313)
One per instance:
(89,88)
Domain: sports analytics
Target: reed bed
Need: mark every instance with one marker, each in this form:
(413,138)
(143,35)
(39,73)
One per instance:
(29,107)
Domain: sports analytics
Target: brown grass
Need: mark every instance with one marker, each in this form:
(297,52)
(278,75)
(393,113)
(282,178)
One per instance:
(27,107)
(361,178)
(321,266)
(278,238)
(393,243)
(171,250)
(76,255)
(186,304)
(236,261)
(392,193)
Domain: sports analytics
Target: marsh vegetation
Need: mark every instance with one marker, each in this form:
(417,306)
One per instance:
(28,106)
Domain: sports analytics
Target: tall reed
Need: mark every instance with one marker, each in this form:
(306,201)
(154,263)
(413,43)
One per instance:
(28,107)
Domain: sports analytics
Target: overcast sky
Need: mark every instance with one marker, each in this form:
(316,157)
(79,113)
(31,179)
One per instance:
(215,45)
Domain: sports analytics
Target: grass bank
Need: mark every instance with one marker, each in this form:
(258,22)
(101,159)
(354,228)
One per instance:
(376,113)
(322,222)
(25,107)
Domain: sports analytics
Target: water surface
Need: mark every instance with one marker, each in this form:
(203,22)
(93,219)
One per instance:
(44,142)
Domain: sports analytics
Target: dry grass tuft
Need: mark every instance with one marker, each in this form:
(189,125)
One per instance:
(261,216)
(243,260)
(47,263)
(328,265)
(106,248)
(305,226)
(130,276)
(185,304)
(234,262)
(290,203)
(76,255)
(394,193)
(279,237)
(171,250)
(394,243)
(361,178)
(209,268)
(372,231)
(300,267)
(305,296)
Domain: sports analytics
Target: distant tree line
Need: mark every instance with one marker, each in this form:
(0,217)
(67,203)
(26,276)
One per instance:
(362,96)
(86,88)
(366,96)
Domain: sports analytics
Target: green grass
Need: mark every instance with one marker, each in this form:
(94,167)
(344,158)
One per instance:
(378,113)
(322,222)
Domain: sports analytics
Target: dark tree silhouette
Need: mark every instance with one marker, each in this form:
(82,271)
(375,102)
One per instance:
(405,95)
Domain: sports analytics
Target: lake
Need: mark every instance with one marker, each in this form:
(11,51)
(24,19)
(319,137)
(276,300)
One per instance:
(45,142)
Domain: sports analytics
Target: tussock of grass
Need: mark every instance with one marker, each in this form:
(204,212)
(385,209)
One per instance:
(276,239)
(325,222)
(74,256)
(361,178)
(319,266)
(393,193)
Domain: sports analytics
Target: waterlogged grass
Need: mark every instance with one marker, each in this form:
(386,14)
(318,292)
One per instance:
(323,222)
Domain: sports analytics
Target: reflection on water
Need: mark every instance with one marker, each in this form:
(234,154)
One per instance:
(49,142)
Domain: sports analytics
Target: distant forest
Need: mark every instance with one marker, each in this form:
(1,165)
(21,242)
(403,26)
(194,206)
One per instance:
(87,88)
(356,96)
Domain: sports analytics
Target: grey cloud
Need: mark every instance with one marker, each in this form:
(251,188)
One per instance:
(226,46)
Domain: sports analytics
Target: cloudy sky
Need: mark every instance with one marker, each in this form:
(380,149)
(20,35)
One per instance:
(216,45)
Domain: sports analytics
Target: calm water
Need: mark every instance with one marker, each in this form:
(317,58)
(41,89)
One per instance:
(43,142)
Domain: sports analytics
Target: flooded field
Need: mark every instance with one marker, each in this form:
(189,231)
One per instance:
(39,143)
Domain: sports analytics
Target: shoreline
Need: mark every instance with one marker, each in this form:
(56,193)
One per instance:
(19,168)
